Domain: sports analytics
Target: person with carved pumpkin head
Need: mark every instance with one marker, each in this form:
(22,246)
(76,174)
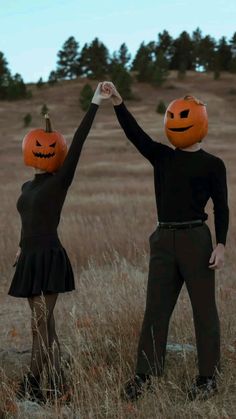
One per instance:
(181,249)
(43,269)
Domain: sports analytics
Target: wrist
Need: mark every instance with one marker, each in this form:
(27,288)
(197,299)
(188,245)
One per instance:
(116,101)
(221,246)
(96,100)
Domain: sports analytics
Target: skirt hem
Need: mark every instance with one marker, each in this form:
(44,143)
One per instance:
(42,270)
(12,294)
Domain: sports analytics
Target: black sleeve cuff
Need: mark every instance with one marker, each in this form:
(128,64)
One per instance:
(94,105)
(121,105)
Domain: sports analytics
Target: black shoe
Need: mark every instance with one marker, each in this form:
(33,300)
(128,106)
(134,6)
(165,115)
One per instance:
(29,389)
(136,387)
(203,388)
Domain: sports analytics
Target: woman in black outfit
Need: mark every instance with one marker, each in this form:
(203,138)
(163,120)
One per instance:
(43,269)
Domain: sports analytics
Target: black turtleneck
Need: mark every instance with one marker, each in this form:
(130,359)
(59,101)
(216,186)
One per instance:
(41,201)
(184,180)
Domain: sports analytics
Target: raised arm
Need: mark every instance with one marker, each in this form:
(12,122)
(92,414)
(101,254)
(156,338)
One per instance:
(66,172)
(146,146)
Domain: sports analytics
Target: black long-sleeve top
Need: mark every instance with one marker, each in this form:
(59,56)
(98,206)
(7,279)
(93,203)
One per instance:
(184,181)
(41,200)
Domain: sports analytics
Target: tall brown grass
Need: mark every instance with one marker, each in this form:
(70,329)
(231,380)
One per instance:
(107,218)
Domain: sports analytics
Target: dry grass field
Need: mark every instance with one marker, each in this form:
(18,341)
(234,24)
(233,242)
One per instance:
(106,221)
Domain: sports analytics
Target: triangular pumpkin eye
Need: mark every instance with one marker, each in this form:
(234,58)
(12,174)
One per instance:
(170,114)
(38,144)
(53,145)
(184,114)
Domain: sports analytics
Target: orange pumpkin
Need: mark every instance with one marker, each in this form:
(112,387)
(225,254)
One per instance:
(186,121)
(44,149)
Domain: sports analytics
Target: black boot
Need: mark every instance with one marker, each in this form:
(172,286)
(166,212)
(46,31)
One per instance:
(202,388)
(136,387)
(29,388)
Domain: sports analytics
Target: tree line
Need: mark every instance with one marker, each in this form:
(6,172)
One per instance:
(152,62)
(11,86)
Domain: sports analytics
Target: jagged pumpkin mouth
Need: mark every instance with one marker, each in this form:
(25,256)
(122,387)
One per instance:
(43,156)
(180,129)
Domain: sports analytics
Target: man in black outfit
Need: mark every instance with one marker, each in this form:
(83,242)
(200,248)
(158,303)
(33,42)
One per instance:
(180,248)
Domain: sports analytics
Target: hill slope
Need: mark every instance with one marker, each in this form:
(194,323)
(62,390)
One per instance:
(107,218)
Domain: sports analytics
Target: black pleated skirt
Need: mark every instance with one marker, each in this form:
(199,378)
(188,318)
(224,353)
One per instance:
(43,267)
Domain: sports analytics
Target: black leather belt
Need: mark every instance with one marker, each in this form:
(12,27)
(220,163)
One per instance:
(185,224)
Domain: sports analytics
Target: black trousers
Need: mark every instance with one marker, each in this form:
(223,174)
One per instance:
(176,256)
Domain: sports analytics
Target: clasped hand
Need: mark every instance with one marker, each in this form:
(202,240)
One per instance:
(106,90)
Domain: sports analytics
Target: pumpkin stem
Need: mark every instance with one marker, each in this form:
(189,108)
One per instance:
(48,123)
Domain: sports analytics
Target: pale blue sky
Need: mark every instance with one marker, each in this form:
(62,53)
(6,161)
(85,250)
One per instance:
(32,31)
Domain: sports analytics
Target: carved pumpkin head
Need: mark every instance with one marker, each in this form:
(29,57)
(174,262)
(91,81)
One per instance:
(186,121)
(44,149)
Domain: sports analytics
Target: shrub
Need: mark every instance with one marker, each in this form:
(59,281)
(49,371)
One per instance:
(40,83)
(161,107)
(44,110)
(27,119)
(86,95)
(53,78)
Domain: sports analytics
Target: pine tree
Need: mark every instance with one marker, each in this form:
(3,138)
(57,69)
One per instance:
(94,60)
(207,53)
(40,83)
(181,71)
(123,56)
(197,41)
(122,80)
(183,52)
(232,66)
(52,78)
(165,44)
(216,66)
(16,88)
(143,62)
(4,76)
(86,95)
(68,59)
(224,54)
(159,69)
(11,87)
(119,73)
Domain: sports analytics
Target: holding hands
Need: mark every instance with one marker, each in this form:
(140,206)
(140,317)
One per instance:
(109,88)
(106,90)
(100,94)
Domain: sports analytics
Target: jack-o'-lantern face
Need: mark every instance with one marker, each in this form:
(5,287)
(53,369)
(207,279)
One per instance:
(44,149)
(186,121)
